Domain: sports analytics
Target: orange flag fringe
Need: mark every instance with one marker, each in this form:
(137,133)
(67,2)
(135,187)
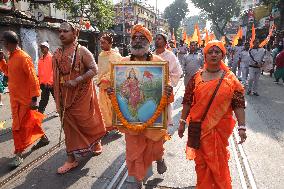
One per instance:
(198,35)
(195,34)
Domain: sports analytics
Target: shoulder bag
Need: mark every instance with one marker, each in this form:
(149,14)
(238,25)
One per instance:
(194,128)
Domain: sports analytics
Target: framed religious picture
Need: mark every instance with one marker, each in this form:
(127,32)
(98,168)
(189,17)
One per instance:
(139,100)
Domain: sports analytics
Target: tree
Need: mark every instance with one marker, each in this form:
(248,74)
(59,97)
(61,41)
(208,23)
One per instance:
(175,12)
(189,23)
(99,12)
(220,12)
(280,5)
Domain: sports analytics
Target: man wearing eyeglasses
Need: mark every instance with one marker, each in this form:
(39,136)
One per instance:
(24,89)
(142,148)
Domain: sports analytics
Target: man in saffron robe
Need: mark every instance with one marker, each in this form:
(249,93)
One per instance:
(105,58)
(74,68)
(142,148)
(212,157)
(24,90)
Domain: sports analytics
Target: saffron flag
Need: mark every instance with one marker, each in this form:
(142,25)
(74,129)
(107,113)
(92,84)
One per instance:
(238,36)
(198,35)
(188,39)
(240,32)
(266,40)
(252,36)
(235,40)
(194,36)
(206,37)
(184,36)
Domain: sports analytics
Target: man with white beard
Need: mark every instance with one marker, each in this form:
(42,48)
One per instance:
(144,147)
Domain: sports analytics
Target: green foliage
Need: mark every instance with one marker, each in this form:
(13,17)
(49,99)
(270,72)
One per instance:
(219,12)
(152,90)
(175,12)
(189,23)
(99,12)
(273,2)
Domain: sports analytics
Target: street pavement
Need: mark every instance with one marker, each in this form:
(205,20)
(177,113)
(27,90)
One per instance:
(263,149)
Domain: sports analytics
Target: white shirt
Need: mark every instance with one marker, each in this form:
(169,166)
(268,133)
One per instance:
(245,59)
(258,55)
(193,62)
(182,49)
(237,50)
(175,70)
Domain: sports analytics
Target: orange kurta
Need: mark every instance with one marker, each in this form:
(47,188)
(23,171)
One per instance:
(212,158)
(83,124)
(104,67)
(143,148)
(23,85)
(45,70)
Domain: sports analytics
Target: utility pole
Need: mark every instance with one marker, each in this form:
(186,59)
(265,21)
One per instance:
(123,22)
(157,20)
(157,8)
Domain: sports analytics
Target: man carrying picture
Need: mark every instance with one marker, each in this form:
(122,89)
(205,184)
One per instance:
(142,148)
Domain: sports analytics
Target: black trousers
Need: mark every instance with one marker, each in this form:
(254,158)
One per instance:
(45,92)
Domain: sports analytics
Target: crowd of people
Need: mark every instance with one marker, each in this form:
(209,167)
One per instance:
(214,90)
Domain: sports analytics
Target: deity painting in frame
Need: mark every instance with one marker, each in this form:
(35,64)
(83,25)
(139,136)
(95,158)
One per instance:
(139,87)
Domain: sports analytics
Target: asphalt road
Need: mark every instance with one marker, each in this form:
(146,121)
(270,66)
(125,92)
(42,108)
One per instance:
(263,150)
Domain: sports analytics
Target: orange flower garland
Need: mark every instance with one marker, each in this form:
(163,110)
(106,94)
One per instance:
(138,127)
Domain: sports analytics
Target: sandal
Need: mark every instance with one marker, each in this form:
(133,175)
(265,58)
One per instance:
(98,149)
(67,167)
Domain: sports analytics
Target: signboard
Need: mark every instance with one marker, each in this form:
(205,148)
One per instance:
(39,15)
(6,4)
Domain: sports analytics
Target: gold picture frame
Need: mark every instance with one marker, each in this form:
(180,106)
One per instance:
(138,88)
